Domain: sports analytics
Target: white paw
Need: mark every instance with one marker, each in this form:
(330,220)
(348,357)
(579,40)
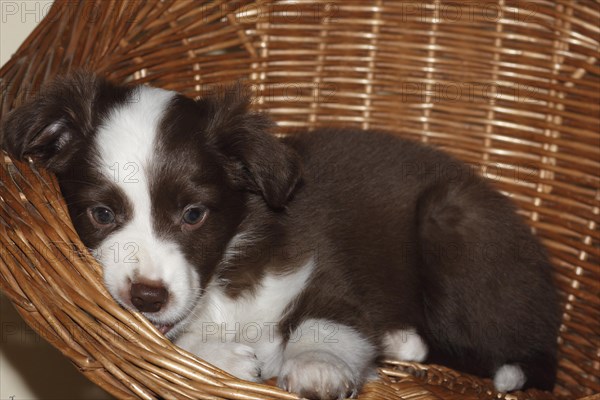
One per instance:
(405,345)
(318,375)
(239,360)
(508,378)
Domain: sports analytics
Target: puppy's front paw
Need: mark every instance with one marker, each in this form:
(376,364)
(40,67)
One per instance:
(318,375)
(239,360)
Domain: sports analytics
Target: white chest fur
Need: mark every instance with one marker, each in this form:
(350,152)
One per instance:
(250,319)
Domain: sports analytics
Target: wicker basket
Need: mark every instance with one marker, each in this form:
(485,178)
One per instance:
(510,86)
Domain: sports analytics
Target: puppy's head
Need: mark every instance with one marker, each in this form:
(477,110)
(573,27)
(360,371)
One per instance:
(157,184)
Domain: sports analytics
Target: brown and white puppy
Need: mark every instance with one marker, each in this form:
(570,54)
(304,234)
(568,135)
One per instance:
(305,258)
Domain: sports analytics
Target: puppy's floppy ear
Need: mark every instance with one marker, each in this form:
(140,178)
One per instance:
(257,160)
(50,128)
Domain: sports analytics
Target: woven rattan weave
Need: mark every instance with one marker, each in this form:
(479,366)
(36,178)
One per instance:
(512,87)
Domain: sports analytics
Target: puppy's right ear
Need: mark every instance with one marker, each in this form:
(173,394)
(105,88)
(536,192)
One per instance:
(51,128)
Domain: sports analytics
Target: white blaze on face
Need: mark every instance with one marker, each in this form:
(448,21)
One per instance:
(126,146)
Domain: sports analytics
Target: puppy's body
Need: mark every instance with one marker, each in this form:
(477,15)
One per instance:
(402,238)
(316,254)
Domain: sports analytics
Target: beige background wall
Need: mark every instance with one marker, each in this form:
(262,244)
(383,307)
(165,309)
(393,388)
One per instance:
(29,367)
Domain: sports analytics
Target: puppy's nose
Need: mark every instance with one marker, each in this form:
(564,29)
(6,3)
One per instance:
(148,298)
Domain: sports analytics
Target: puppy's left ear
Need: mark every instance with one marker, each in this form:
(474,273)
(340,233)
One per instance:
(256,159)
(49,128)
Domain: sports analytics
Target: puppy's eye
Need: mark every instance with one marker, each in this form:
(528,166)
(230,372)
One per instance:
(193,217)
(102,216)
